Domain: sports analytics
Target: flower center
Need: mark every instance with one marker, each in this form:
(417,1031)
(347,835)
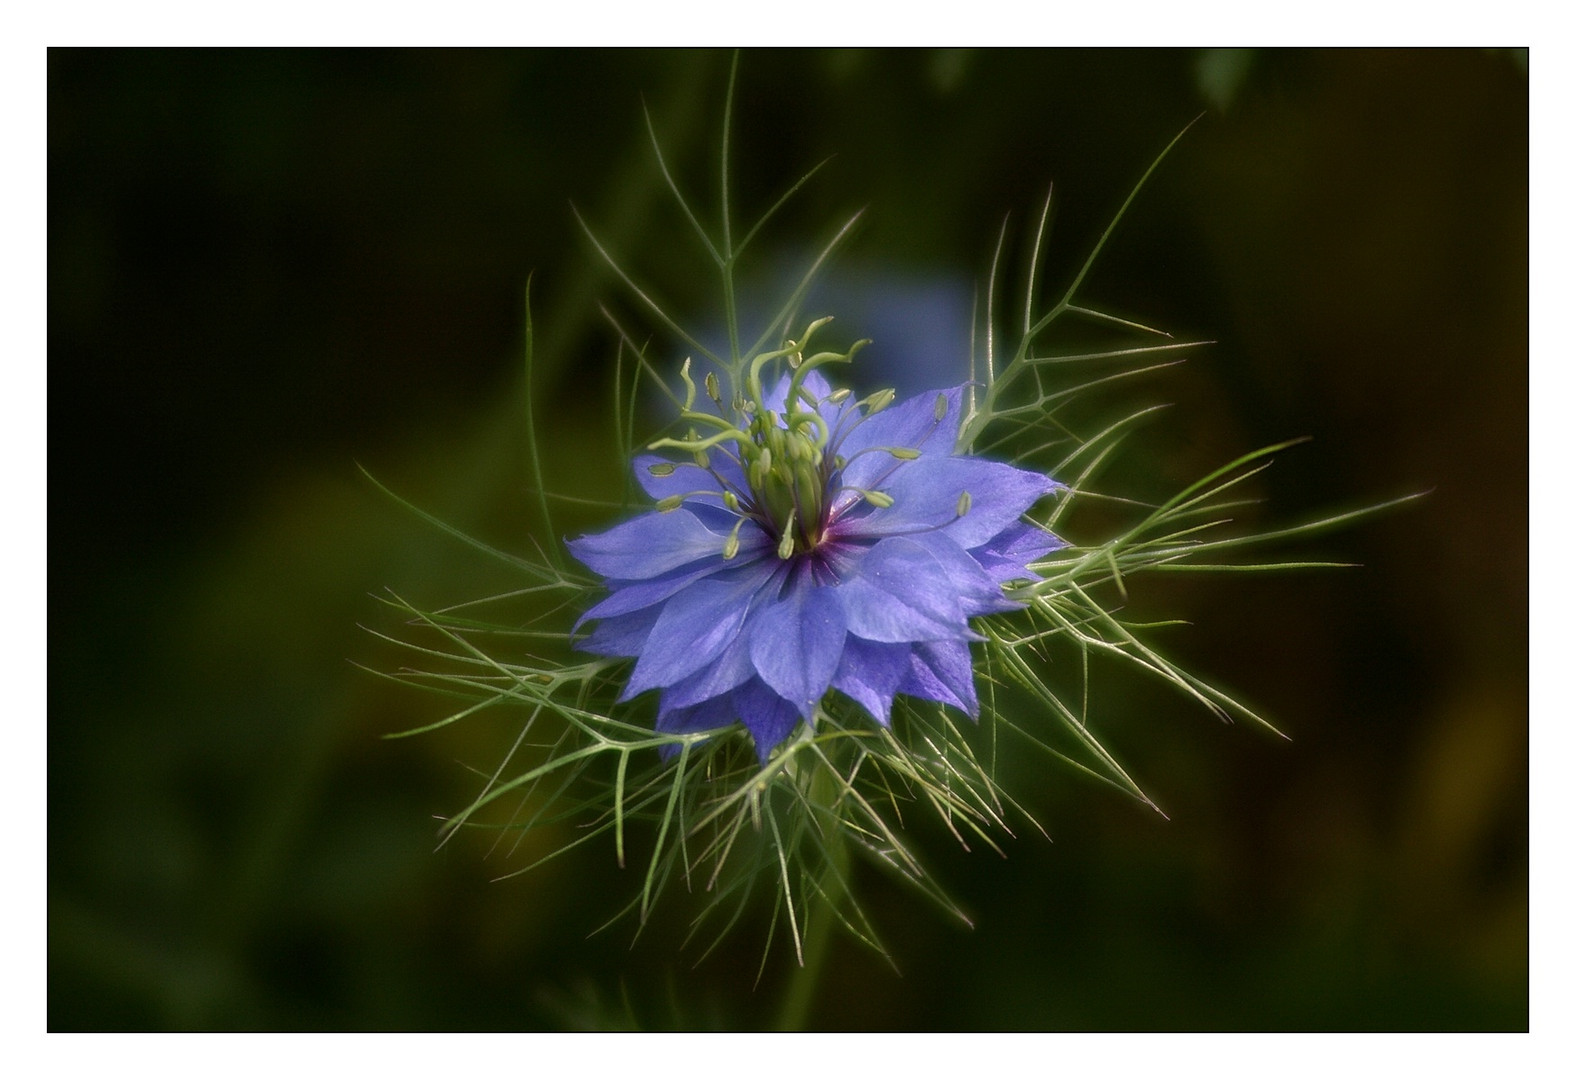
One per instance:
(789,459)
(785,469)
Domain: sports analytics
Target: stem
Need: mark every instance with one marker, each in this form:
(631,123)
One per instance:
(820,918)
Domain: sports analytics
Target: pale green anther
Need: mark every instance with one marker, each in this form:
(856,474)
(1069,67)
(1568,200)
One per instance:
(785,545)
(661,469)
(878,401)
(672,502)
(941,406)
(713,389)
(840,461)
(964,502)
(878,498)
(837,397)
(903,453)
(731,501)
(730,547)
(702,459)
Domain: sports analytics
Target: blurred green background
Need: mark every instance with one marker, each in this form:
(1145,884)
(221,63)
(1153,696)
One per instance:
(266,267)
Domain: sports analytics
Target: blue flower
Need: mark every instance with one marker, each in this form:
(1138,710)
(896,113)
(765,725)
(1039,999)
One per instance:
(820,544)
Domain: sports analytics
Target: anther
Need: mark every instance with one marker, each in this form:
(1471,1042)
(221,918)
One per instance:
(878,401)
(730,547)
(785,545)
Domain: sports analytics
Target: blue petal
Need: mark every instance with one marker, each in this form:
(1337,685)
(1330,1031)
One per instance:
(648,545)
(716,713)
(870,672)
(630,596)
(731,668)
(1007,556)
(796,641)
(925,495)
(687,477)
(942,671)
(695,626)
(978,593)
(900,592)
(910,424)
(622,635)
(769,717)
(775,397)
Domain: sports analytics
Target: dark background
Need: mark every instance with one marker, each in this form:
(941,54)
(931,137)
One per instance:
(266,267)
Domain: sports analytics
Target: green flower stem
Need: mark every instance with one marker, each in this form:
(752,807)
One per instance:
(821,915)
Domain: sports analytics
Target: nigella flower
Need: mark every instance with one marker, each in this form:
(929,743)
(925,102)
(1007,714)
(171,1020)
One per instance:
(809,544)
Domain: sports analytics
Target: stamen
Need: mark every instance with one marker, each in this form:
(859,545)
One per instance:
(785,545)
(878,401)
(730,547)
(673,502)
